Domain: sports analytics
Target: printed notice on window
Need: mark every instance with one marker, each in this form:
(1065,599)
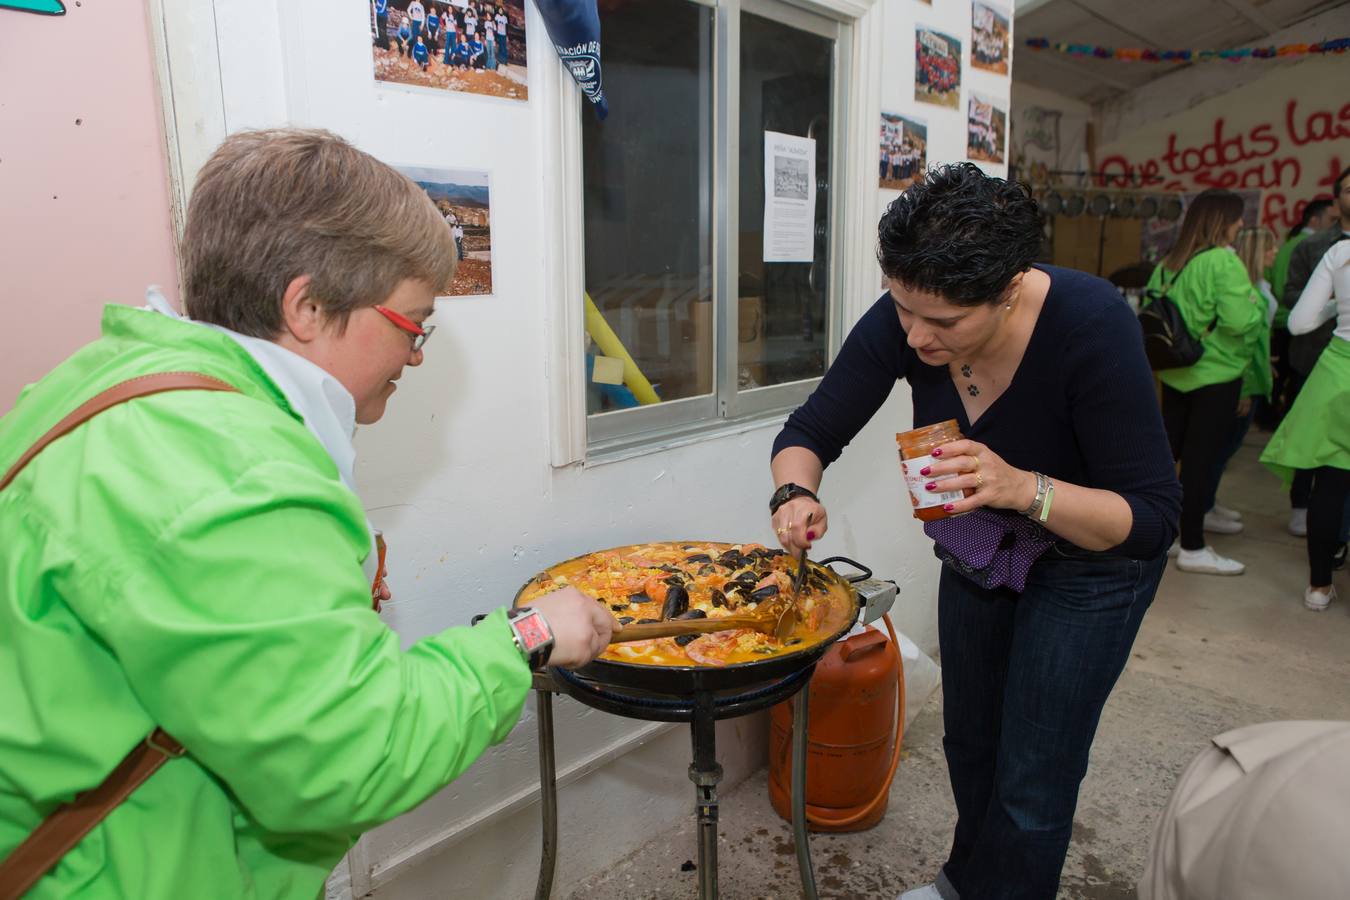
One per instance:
(789,197)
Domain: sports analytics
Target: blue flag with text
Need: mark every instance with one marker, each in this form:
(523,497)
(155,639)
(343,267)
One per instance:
(574,28)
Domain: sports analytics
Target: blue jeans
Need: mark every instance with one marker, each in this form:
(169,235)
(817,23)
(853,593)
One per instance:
(1024,680)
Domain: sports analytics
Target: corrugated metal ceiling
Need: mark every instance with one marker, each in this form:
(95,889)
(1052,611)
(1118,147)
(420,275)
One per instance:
(1173,24)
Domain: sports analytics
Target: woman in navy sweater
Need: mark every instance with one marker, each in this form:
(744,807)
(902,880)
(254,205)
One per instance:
(1044,370)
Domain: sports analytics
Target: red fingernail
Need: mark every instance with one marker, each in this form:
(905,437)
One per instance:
(930,485)
(926,470)
(949,507)
(937,452)
(810,535)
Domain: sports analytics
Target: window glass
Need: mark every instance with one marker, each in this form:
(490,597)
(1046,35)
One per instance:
(647,194)
(786,88)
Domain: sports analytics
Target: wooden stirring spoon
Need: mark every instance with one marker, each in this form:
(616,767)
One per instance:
(765,618)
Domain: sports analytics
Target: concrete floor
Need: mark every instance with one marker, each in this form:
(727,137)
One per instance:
(1214,653)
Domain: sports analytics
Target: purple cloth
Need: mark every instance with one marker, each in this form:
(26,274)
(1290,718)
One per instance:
(991,547)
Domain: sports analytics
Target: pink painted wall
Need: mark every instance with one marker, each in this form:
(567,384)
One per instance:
(84,194)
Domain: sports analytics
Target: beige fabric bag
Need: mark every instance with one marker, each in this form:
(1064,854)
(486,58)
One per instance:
(1264,814)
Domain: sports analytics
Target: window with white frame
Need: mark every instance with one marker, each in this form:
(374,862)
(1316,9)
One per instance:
(697,309)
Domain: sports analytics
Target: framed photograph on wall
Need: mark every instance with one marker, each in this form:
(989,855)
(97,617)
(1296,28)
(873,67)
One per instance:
(463,198)
(459,45)
(986,129)
(989,35)
(904,150)
(937,68)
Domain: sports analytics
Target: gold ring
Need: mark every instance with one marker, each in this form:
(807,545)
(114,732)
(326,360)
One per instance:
(977,464)
(783,530)
(979,481)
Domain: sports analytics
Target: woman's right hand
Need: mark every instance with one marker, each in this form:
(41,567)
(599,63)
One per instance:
(794,530)
(581,626)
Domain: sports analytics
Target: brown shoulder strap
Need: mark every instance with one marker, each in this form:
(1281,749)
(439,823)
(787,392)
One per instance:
(119,393)
(68,825)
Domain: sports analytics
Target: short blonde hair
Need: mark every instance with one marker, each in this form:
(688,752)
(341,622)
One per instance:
(270,206)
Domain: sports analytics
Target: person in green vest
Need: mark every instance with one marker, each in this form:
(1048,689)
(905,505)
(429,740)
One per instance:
(1316,216)
(1315,436)
(1210,286)
(199,561)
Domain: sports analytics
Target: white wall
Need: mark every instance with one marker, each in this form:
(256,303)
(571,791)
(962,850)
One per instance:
(458,474)
(1049,132)
(946,127)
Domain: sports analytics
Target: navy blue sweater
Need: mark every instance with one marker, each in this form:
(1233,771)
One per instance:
(1081,407)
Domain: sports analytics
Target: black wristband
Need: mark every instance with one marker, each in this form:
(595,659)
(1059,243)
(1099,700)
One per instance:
(789,491)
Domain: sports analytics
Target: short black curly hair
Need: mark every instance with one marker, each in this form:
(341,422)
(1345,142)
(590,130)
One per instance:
(960,234)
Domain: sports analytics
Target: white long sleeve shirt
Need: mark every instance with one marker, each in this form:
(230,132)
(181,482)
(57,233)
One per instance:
(1327,294)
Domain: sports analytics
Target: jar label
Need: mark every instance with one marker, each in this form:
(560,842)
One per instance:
(919,495)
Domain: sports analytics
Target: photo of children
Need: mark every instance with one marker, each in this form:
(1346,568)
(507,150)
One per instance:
(458,45)
(462,197)
(937,68)
(989,37)
(987,126)
(790,178)
(904,150)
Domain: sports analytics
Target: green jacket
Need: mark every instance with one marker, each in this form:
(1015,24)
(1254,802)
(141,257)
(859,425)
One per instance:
(1257,378)
(1279,272)
(192,560)
(1214,287)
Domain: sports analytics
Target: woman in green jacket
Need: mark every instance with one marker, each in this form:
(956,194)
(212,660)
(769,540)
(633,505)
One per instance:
(198,561)
(1210,286)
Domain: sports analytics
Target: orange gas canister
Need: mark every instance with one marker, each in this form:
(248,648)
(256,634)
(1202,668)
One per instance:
(853,740)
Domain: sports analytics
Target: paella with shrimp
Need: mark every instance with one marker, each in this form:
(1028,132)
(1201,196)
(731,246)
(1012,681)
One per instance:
(653,582)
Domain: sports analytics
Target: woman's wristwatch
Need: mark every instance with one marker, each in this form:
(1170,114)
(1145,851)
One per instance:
(788,492)
(533,637)
(529,632)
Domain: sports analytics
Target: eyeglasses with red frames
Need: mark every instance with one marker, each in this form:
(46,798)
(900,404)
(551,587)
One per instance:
(418,333)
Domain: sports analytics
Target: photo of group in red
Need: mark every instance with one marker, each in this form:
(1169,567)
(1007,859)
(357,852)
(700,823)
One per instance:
(455,45)
(989,37)
(937,68)
(987,126)
(904,150)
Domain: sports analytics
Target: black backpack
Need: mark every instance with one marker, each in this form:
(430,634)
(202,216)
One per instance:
(1167,342)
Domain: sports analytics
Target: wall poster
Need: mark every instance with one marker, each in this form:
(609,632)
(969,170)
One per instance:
(987,126)
(937,68)
(904,150)
(458,45)
(462,197)
(989,34)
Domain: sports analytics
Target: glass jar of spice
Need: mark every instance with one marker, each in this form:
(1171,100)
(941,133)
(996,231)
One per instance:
(916,452)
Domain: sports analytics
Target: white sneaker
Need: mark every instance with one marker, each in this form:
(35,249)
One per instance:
(1319,600)
(1224,512)
(1207,562)
(1298,522)
(1217,524)
(927,892)
(1173,550)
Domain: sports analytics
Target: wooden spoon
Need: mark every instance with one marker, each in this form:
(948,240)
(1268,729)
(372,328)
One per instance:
(765,618)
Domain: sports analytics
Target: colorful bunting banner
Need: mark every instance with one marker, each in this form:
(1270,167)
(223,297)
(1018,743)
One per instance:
(1136,54)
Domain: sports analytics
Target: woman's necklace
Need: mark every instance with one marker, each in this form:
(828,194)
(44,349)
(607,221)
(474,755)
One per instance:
(968,373)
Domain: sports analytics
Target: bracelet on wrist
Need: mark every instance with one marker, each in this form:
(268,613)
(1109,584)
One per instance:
(1042,488)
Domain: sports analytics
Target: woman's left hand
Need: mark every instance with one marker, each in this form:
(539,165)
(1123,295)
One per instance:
(973,465)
